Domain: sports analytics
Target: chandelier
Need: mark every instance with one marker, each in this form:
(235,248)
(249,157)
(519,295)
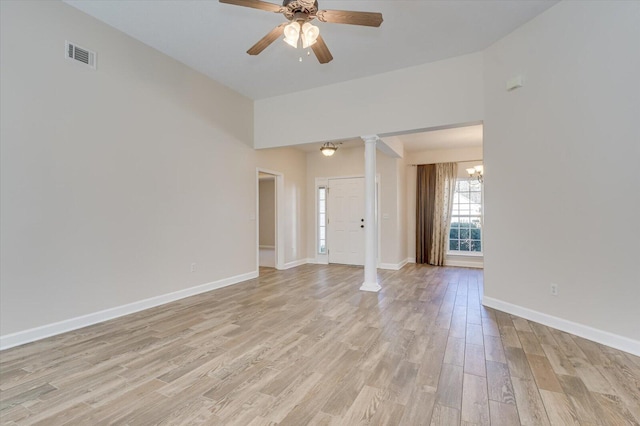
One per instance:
(476,172)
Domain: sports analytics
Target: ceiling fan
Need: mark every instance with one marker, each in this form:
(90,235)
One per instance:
(299,29)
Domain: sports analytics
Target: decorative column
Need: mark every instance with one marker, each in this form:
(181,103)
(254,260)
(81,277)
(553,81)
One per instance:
(370,226)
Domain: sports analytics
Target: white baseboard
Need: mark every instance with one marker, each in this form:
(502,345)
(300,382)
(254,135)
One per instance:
(296,263)
(394,266)
(411,260)
(37,333)
(604,337)
(463,263)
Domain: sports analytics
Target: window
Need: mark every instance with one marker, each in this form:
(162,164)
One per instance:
(322,220)
(465,235)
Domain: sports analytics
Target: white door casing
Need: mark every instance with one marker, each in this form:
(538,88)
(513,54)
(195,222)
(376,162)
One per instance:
(345,227)
(280,242)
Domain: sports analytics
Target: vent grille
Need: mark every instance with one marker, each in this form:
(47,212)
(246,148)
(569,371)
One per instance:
(80,54)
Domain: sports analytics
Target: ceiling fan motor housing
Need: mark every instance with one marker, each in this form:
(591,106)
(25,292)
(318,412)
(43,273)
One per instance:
(299,9)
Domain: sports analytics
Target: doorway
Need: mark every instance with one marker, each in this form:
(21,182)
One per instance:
(269,248)
(267,220)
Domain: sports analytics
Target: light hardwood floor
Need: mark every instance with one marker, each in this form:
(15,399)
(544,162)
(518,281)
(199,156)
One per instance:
(305,346)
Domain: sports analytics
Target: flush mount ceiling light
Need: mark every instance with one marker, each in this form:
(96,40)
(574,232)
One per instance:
(328,149)
(299,30)
(476,172)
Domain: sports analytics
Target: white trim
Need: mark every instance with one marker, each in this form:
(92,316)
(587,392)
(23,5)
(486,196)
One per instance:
(393,266)
(411,260)
(463,263)
(21,337)
(296,263)
(465,253)
(604,337)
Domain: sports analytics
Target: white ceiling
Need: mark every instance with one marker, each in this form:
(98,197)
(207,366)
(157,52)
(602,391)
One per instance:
(213,38)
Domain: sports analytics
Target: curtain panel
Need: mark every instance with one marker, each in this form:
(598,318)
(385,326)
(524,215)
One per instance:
(435,190)
(425,200)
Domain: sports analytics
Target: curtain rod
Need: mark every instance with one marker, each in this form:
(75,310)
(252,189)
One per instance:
(441,162)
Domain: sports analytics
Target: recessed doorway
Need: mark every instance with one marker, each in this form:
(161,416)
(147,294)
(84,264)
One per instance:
(269,190)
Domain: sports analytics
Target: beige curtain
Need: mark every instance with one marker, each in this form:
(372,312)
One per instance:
(446,174)
(436,185)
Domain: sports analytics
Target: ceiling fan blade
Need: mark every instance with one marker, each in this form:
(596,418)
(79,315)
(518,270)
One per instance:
(322,51)
(256,4)
(265,41)
(370,19)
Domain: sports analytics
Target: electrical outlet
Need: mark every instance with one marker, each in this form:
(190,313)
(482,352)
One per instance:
(193,267)
(554,289)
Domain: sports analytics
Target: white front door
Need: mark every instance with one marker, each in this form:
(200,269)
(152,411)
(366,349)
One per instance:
(345,227)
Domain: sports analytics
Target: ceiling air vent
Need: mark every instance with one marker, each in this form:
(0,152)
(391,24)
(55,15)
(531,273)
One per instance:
(80,54)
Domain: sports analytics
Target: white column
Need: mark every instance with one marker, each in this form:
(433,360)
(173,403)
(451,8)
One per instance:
(370,226)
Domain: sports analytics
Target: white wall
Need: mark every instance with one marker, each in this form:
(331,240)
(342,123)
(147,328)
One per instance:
(436,94)
(291,163)
(459,156)
(562,188)
(350,162)
(267,212)
(113,181)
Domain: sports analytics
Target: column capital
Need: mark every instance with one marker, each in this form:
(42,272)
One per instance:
(370,138)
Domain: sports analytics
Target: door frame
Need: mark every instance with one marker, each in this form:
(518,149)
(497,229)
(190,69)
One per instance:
(279,200)
(323,259)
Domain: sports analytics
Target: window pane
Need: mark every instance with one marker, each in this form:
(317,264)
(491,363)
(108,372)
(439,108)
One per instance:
(466,222)
(322,206)
(475,233)
(454,234)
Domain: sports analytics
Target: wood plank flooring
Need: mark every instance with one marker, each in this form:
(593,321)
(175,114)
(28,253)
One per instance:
(306,347)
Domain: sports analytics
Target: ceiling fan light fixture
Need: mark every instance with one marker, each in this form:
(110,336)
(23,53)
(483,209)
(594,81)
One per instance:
(292,34)
(298,29)
(310,34)
(328,149)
